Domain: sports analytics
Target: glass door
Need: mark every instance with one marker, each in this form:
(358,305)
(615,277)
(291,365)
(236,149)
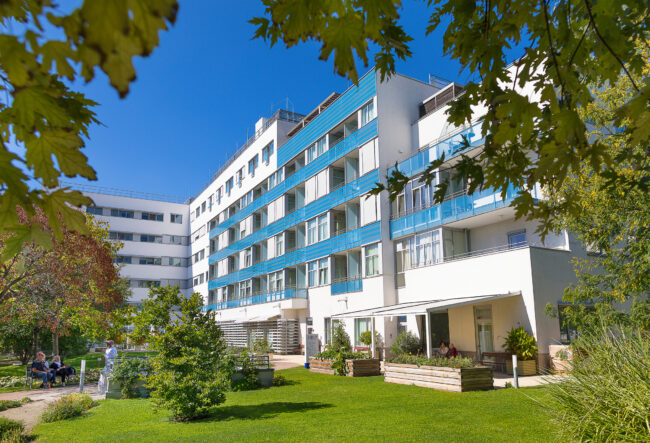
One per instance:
(484,336)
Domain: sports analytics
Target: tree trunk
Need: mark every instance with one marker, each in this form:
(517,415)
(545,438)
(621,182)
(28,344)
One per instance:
(35,342)
(55,343)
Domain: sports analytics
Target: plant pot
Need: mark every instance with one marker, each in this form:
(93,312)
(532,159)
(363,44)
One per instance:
(525,367)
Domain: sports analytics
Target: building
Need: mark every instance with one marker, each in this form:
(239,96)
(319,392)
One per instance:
(286,238)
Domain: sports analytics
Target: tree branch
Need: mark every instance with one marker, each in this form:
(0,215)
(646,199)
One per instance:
(611,51)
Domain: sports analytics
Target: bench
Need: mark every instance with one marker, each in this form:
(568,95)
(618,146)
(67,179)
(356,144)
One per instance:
(29,377)
(498,362)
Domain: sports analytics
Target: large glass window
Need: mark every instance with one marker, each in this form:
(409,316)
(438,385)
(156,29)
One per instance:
(94,210)
(279,245)
(317,149)
(248,257)
(311,153)
(122,213)
(252,165)
(323,232)
(267,151)
(176,218)
(312,231)
(367,113)
(361,325)
(312,273)
(276,281)
(323,271)
(372,260)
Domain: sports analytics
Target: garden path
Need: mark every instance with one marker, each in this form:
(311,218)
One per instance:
(30,413)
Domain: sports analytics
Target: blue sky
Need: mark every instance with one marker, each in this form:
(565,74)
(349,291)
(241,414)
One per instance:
(207,83)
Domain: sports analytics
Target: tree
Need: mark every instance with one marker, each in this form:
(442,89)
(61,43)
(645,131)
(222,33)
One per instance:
(16,337)
(72,285)
(42,114)
(188,376)
(571,45)
(614,223)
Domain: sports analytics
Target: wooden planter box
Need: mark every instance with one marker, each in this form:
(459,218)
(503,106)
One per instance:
(356,368)
(440,378)
(527,367)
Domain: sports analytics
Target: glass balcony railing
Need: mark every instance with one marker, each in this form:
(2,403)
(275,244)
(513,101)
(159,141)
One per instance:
(348,285)
(284,294)
(453,210)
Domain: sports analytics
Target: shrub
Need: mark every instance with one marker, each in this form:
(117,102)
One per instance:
(279,380)
(242,364)
(340,338)
(338,359)
(187,378)
(422,360)
(406,343)
(9,428)
(92,375)
(605,394)
(68,406)
(262,346)
(521,343)
(127,372)
(8,404)
(14,436)
(11,381)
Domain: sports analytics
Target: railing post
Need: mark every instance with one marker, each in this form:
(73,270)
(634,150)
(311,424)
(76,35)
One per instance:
(515,376)
(372,339)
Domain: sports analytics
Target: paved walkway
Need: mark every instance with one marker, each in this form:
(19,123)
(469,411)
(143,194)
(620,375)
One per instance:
(287,361)
(500,380)
(30,413)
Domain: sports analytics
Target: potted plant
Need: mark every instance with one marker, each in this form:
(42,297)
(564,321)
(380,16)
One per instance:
(522,344)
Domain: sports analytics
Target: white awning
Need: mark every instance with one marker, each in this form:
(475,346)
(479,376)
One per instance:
(421,307)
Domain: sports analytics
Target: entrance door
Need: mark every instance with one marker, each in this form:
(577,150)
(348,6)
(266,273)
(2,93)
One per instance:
(484,340)
(439,323)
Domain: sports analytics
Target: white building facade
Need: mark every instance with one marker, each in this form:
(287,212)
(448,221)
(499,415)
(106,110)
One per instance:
(286,233)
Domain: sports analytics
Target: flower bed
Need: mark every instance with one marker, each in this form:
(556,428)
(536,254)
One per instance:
(358,367)
(457,374)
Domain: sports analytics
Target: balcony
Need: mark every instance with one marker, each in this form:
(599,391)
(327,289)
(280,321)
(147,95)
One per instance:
(264,297)
(450,211)
(347,285)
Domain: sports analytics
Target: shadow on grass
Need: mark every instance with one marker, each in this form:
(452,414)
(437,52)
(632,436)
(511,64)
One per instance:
(262,411)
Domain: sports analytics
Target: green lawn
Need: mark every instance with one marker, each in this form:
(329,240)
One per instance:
(318,407)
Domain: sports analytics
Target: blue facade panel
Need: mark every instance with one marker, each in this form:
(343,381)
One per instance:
(353,189)
(358,237)
(284,294)
(451,211)
(347,145)
(347,103)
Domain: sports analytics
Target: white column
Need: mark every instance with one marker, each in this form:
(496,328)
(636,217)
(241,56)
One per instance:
(428,332)
(372,340)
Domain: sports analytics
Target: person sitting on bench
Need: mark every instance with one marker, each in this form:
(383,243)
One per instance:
(62,370)
(41,370)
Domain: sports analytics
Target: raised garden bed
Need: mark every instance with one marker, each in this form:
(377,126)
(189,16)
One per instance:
(115,390)
(356,367)
(440,378)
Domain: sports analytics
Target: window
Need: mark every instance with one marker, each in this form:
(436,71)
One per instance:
(399,205)
(312,231)
(252,165)
(279,245)
(367,113)
(145,283)
(323,232)
(219,191)
(245,288)
(176,239)
(248,257)
(94,210)
(203,207)
(276,281)
(323,271)
(317,229)
(122,213)
(175,261)
(267,152)
(361,325)
(123,236)
(149,261)
(240,176)
(276,178)
(401,324)
(517,239)
(176,218)
(123,259)
(229,185)
(328,330)
(149,238)
(317,149)
(151,216)
(372,260)
(198,211)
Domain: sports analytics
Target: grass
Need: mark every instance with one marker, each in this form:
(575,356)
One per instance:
(317,407)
